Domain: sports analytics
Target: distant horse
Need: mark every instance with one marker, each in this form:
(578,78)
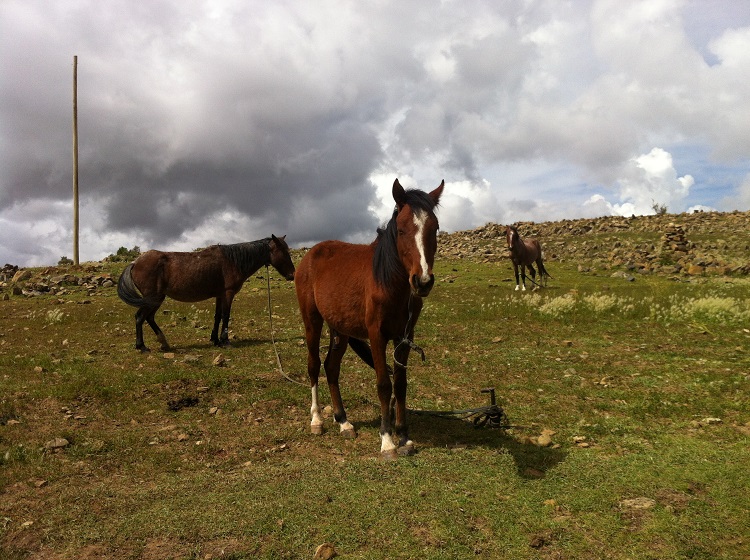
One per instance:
(523,253)
(370,292)
(217,271)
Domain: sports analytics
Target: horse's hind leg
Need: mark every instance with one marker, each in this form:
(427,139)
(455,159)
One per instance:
(157,331)
(332,365)
(147,314)
(533,277)
(139,318)
(542,272)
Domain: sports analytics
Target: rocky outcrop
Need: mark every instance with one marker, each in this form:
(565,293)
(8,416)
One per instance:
(57,280)
(696,243)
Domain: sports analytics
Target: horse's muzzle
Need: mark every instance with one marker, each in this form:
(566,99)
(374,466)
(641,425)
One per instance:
(422,289)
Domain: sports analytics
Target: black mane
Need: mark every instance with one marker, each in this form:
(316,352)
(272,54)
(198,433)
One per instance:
(386,264)
(250,256)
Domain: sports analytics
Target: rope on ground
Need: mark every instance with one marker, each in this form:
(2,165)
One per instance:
(492,416)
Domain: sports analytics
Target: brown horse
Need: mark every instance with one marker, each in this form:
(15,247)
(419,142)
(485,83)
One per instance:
(523,253)
(370,292)
(217,271)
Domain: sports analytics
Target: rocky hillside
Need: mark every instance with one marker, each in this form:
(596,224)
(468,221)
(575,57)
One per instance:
(55,280)
(712,243)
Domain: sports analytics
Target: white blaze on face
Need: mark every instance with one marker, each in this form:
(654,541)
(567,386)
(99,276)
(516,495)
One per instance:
(420,218)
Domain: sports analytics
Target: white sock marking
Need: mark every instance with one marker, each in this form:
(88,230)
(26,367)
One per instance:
(386,443)
(346,426)
(317,419)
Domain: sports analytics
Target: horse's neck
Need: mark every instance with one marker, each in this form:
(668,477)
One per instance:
(251,256)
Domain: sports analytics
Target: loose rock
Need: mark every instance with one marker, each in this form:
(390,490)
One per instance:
(325,551)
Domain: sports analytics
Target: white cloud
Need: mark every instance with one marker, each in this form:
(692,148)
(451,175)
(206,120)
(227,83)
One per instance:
(648,181)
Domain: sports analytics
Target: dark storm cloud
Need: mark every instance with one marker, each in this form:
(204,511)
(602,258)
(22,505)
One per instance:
(226,120)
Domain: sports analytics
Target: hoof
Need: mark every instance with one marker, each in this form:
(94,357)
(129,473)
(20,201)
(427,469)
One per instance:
(407,450)
(348,434)
(390,455)
(316,429)
(143,349)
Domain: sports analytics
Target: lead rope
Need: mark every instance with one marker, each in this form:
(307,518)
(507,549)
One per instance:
(273,341)
(493,415)
(406,340)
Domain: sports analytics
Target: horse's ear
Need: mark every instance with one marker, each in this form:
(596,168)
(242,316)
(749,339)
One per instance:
(399,195)
(435,195)
(274,238)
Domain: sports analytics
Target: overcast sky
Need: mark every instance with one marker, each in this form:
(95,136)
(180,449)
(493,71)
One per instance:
(224,121)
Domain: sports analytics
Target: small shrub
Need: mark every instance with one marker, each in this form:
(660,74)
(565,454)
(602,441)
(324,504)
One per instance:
(659,209)
(559,306)
(55,316)
(125,255)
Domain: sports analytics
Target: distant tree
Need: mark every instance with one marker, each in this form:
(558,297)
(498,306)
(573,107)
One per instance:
(64,261)
(124,255)
(658,209)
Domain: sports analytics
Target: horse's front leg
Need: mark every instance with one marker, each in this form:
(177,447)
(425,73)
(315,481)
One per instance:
(226,309)
(401,356)
(515,272)
(385,389)
(217,321)
(523,278)
(332,366)
(312,337)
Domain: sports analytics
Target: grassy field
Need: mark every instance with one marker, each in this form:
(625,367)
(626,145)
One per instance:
(629,401)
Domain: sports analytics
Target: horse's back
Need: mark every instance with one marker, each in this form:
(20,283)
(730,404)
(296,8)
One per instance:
(184,276)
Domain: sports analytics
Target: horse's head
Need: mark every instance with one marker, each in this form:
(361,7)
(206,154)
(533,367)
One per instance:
(511,236)
(416,234)
(281,260)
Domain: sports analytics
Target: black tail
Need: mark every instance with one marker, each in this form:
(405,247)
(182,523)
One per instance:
(363,351)
(543,271)
(127,290)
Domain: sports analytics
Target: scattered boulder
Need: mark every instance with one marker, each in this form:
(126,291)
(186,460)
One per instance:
(325,551)
(56,444)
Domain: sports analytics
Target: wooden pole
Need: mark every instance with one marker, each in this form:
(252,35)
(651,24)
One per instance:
(75,161)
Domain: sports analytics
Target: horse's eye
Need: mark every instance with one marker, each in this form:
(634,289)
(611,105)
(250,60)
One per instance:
(400,232)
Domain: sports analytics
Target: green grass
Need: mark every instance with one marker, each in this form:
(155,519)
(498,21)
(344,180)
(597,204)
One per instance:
(631,369)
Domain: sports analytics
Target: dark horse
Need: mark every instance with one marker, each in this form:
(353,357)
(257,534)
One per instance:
(523,253)
(217,271)
(370,292)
